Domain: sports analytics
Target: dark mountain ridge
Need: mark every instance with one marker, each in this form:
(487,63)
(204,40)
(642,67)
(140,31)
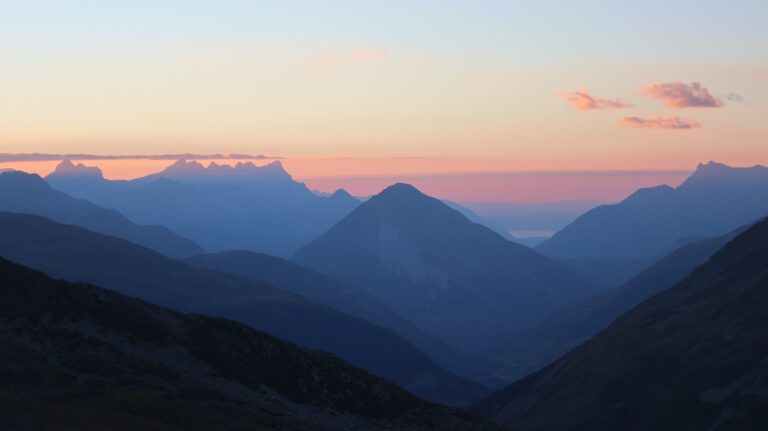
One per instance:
(692,357)
(324,290)
(573,324)
(79,255)
(78,357)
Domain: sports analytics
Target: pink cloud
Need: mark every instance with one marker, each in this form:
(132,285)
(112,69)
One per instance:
(583,101)
(369,54)
(671,122)
(681,95)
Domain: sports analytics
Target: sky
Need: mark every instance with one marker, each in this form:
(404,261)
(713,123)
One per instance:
(344,89)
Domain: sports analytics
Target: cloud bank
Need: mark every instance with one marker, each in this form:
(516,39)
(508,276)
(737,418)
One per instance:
(583,101)
(671,122)
(42,157)
(681,95)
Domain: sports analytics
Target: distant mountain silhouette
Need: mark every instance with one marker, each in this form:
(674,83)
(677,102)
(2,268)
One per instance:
(28,193)
(454,278)
(692,357)
(713,201)
(573,324)
(78,357)
(258,208)
(76,254)
(324,290)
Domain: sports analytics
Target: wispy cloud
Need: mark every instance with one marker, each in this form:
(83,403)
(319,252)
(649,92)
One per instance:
(670,122)
(681,95)
(39,157)
(583,101)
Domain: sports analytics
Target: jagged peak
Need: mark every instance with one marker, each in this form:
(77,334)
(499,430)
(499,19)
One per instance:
(185,167)
(712,173)
(182,165)
(70,169)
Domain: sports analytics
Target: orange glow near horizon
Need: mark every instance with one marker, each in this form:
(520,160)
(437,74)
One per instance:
(459,179)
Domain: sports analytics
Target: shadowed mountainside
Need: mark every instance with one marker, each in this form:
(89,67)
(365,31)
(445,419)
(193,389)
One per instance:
(570,326)
(692,357)
(76,254)
(78,357)
(324,290)
(27,193)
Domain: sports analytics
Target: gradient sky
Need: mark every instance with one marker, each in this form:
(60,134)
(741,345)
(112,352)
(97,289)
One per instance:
(486,85)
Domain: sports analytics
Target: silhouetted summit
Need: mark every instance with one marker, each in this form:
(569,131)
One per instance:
(68,169)
(454,278)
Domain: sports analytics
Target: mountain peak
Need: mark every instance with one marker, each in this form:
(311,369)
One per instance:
(274,168)
(69,169)
(714,173)
(187,169)
(183,166)
(22,182)
(341,193)
(400,190)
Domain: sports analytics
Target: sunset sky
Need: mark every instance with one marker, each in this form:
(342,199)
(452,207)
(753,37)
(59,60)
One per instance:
(395,89)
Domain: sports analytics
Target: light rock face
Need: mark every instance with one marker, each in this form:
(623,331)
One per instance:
(399,254)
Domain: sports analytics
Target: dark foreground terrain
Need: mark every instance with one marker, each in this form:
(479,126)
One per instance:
(78,357)
(693,357)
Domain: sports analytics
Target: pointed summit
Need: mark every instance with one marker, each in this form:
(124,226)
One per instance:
(343,197)
(341,194)
(401,190)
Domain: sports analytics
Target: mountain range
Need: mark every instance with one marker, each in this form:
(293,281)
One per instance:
(221,207)
(79,357)
(327,291)
(692,357)
(28,193)
(78,255)
(573,324)
(714,200)
(455,279)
